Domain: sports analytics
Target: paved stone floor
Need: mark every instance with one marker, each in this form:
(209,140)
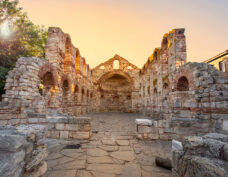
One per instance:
(112,151)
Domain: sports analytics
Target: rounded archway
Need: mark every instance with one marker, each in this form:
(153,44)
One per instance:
(183,84)
(116,89)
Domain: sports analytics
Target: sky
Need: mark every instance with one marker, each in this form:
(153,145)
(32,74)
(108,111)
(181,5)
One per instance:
(133,28)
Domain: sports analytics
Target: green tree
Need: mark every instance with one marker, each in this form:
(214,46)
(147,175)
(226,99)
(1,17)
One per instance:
(18,37)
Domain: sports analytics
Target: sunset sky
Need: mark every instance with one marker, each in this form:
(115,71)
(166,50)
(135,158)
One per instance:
(133,28)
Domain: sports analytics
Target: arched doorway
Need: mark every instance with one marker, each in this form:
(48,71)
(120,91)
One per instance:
(47,88)
(116,89)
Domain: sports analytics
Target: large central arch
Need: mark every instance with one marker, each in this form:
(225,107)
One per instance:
(115,91)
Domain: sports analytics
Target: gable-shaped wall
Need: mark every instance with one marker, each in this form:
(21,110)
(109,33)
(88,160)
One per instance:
(115,85)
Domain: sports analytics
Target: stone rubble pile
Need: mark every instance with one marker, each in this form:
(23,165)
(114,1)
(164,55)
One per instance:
(202,156)
(22,151)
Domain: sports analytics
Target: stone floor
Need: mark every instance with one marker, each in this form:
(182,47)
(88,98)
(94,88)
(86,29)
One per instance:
(112,151)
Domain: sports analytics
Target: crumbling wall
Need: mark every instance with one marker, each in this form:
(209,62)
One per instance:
(182,98)
(76,74)
(61,82)
(202,156)
(22,151)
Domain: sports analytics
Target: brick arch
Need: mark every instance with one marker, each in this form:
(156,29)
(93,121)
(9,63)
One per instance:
(48,68)
(184,73)
(66,78)
(83,90)
(164,44)
(156,55)
(76,87)
(119,72)
(67,54)
(164,50)
(77,61)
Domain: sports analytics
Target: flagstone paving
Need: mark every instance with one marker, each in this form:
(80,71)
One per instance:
(112,151)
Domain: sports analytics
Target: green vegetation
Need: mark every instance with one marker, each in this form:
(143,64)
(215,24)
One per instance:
(18,37)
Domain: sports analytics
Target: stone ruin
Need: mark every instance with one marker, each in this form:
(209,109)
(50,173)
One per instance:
(182,99)
(202,156)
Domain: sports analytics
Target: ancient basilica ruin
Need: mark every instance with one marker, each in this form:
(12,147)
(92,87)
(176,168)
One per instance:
(168,99)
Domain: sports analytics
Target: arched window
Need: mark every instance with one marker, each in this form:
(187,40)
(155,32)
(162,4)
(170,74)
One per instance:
(155,56)
(155,91)
(165,44)
(165,51)
(65,87)
(83,91)
(67,58)
(165,86)
(76,89)
(116,64)
(77,61)
(46,86)
(47,81)
(148,90)
(82,95)
(182,84)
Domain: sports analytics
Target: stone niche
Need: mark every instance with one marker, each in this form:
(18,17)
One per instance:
(22,151)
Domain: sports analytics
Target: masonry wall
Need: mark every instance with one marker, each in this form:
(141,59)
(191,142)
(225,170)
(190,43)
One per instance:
(61,82)
(182,98)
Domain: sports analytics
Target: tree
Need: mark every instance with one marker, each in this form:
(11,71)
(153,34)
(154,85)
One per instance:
(18,37)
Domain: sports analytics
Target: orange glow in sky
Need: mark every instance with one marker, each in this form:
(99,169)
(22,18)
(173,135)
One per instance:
(133,28)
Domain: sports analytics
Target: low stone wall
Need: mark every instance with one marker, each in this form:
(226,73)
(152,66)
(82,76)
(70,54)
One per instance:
(69,127)
(144,129)
(175,128)
(202,156)
(22,151)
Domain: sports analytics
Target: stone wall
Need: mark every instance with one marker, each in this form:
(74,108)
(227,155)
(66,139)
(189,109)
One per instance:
(69,127)
(22,151)
(61,81)
(182,98)
(202,156)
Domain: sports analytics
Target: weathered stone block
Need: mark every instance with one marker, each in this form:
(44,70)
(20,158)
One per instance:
(81,135)
(225,125)
(144,129)
(11,142)
(153,136)
(64,134)
(33,120)
(60,126)
(71,127)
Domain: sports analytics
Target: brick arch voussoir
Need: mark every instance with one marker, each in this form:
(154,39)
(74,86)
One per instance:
(48,68)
